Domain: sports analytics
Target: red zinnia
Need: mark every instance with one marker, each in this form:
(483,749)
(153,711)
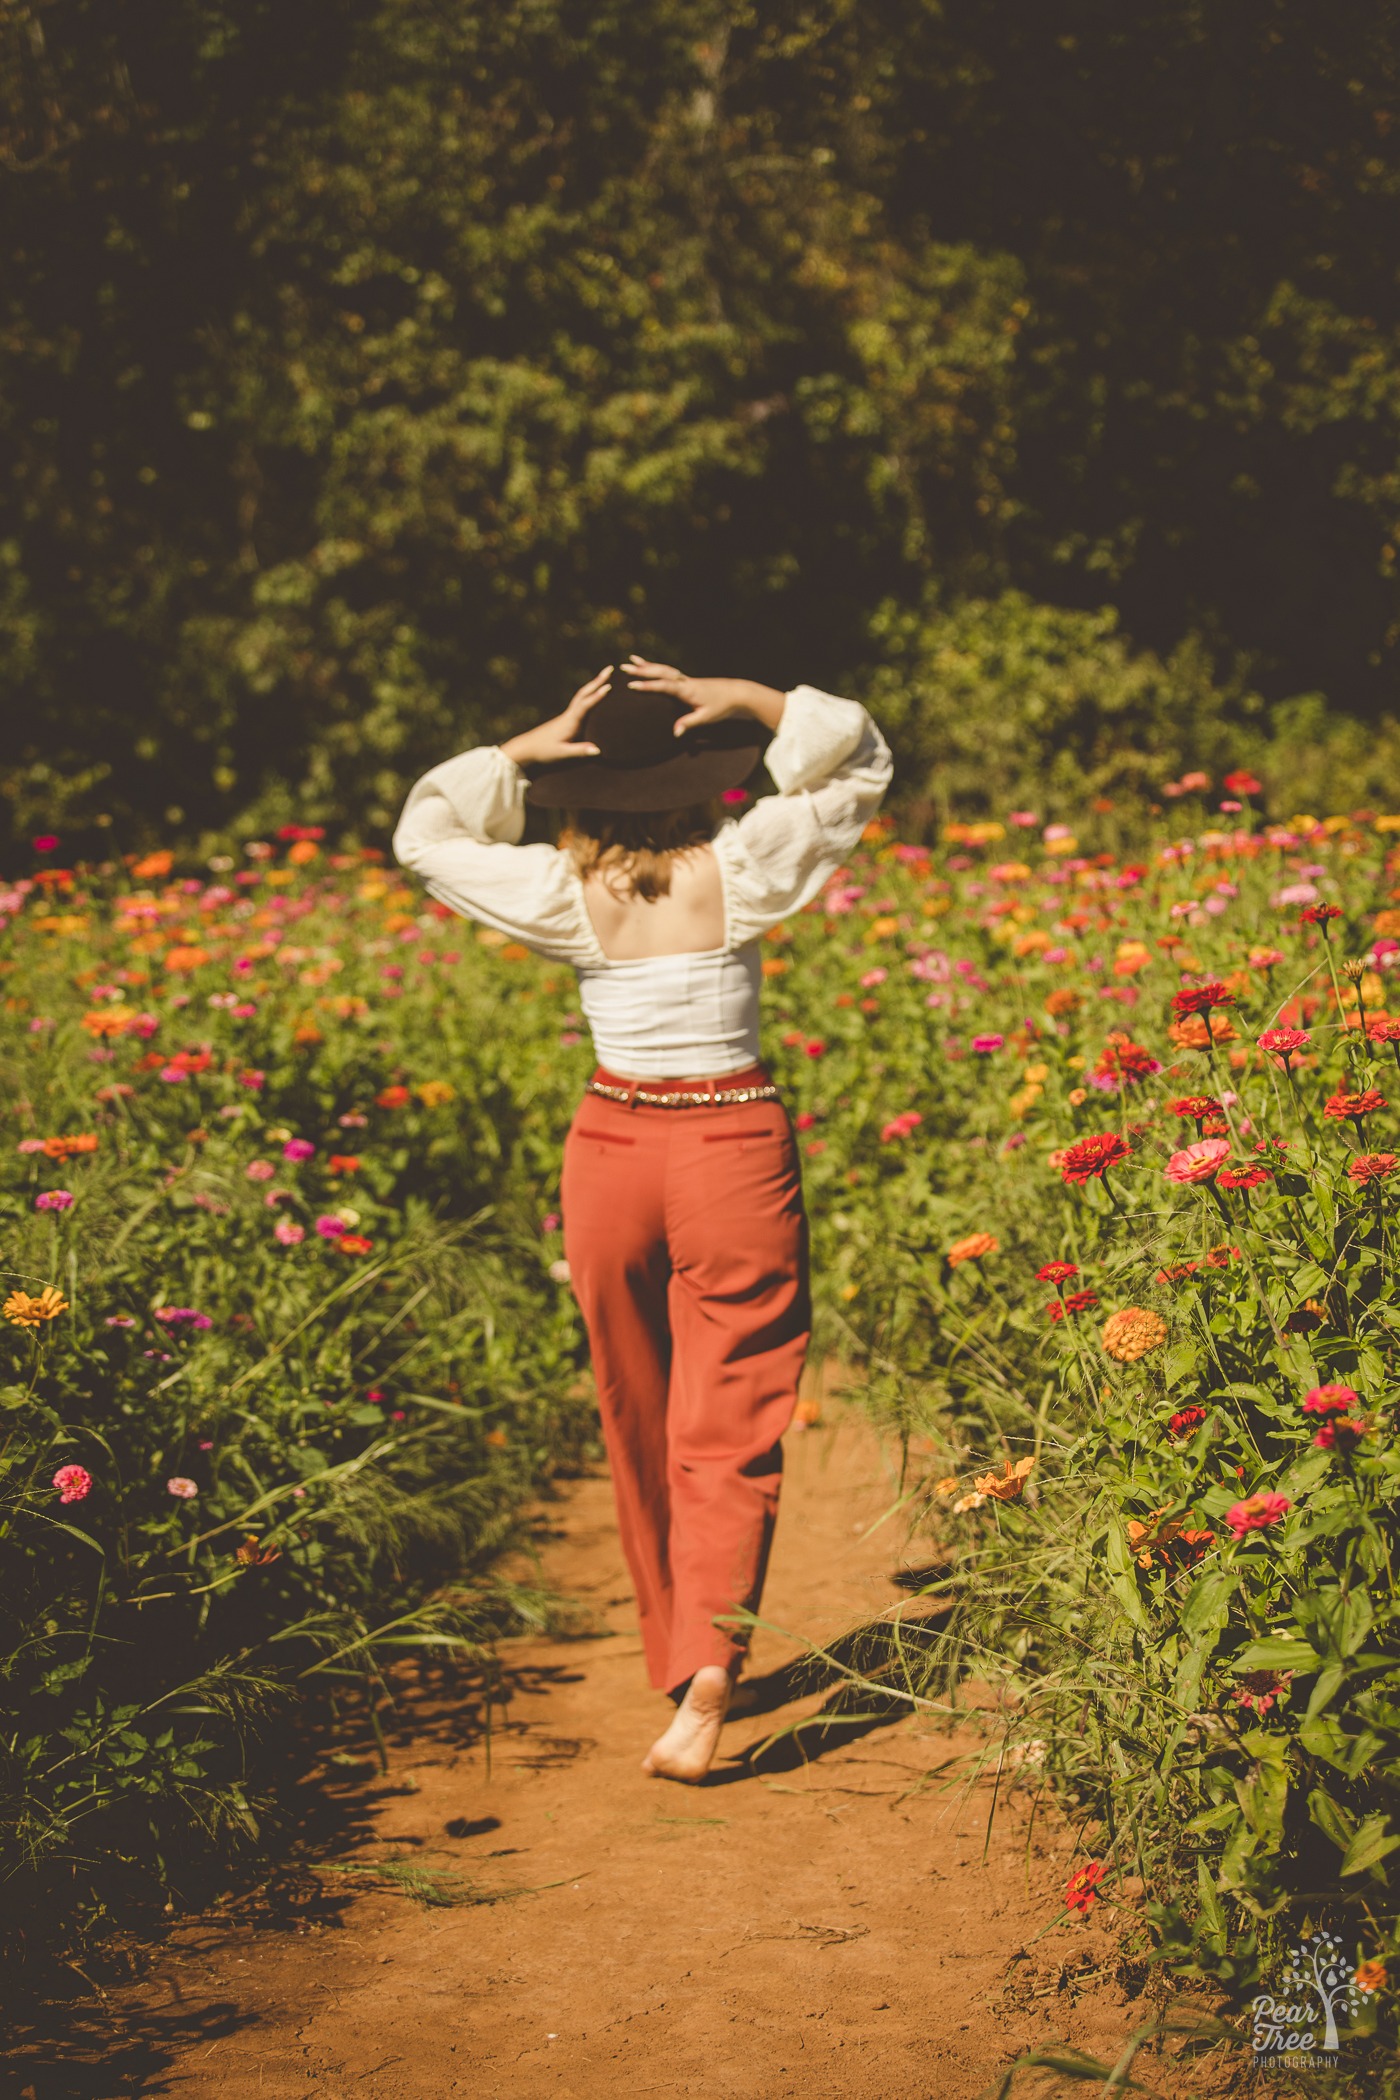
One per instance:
(1373,1166)
(1340,1106)
(1242,783)
(1284,1042)
(1320,914)
(1200,998)
(1186,1421)
(1243,1177)
(1082,1888)
(1197,1106)
(1384,1029)
(1056,1272)
(1091,1157)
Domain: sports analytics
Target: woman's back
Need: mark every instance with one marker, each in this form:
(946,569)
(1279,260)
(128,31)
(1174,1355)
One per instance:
(689,919)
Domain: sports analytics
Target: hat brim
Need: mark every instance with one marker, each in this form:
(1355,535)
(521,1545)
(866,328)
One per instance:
(695,774)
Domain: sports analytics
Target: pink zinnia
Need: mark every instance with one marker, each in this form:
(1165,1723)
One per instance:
(1330,1400)
(1199,1162)
(298,1148)
(330,1227)
(182,1488)
(74,1483)
(54,1199)
(260,1170)
(986,1045)
(287,1233)
(1256,1513)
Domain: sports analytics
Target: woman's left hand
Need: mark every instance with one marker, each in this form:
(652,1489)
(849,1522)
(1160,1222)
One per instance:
(560,737)
(708,699)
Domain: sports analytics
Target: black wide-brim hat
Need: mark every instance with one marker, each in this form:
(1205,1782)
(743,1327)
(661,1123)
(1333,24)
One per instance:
(642,764)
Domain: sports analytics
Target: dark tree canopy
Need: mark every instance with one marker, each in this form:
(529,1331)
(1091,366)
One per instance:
(372,369)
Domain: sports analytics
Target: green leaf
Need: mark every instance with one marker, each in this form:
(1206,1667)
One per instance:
(1331,1818)
(1208,1601)
(1297,1656)
(1369,1846)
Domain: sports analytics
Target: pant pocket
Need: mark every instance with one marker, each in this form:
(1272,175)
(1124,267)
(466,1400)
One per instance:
(603,1137)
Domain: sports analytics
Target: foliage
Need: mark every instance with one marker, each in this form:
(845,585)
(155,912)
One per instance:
(370,371)
(307,1358)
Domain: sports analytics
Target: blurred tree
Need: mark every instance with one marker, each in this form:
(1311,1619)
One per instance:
(371,369)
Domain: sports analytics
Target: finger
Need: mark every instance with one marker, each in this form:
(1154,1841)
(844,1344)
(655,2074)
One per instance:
(595,687)
(579,751)
(589,697)
(693,720)
(650,669)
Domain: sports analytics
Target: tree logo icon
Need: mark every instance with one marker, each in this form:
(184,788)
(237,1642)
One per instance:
(1318,1985)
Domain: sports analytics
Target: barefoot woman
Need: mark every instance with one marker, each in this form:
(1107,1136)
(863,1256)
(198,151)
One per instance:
(682,1200)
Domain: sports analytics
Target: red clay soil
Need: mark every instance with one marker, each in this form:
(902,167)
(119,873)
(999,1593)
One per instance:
(834,1919)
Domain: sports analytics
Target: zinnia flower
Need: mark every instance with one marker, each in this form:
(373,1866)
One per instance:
(899,1126)
(23,1311)
(287,1233)
(1341,1106)
(1056,1272)
(74,1483)
(182,1316)
(354,1243)
(182,1488)
(1373,1166)
(1321,915)
(1124,1062)
(1077,1302)
(1256,1513)
(1186,1421)
(298,1148)
(1082,1888)
(1090,1158)
(1242,783)
(987,1045)
(1330,1400)
(1198,1162)
(54,1199)
(1243,1177)
(1196,1106)
(1259,1689)
(972,1248)
(260,1170)
(1200,998)
(1130,1334)
(1284,1042)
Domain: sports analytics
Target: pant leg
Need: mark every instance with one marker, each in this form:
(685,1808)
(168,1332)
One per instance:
(615,1241)
(740,1321)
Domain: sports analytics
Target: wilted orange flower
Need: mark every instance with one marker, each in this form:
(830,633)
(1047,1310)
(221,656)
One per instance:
(972,1248)
(252,1554)
(1005,1486)
(23,1311)
(1129,1334)
(1170,1542)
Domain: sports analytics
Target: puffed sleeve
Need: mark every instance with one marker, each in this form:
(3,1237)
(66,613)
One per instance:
(832,767)
(460,830)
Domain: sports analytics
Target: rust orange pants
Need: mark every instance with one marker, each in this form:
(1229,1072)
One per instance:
(687,1248)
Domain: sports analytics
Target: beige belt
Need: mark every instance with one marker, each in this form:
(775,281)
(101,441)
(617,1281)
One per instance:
(727,1097)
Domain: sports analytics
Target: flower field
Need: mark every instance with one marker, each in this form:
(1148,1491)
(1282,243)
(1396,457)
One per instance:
(1097,1145)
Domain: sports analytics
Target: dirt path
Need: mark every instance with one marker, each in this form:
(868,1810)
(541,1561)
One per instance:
(820,1920)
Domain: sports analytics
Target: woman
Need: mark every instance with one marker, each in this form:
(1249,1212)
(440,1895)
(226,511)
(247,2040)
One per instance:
(682,1199)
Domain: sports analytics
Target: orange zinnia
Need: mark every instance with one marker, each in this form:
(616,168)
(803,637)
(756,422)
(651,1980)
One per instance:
(1129,1334)
(972,1248)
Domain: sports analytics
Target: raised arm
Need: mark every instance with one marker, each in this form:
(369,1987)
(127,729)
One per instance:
(461,827)
(832,767)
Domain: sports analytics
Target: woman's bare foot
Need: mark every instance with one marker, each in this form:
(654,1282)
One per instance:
(687,1748)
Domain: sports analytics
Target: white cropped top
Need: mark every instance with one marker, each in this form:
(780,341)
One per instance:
(675,1016)
(669,1016)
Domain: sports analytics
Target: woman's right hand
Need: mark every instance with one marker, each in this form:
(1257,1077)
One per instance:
(560,737)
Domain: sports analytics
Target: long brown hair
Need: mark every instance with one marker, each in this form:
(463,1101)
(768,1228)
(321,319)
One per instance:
(635,851)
